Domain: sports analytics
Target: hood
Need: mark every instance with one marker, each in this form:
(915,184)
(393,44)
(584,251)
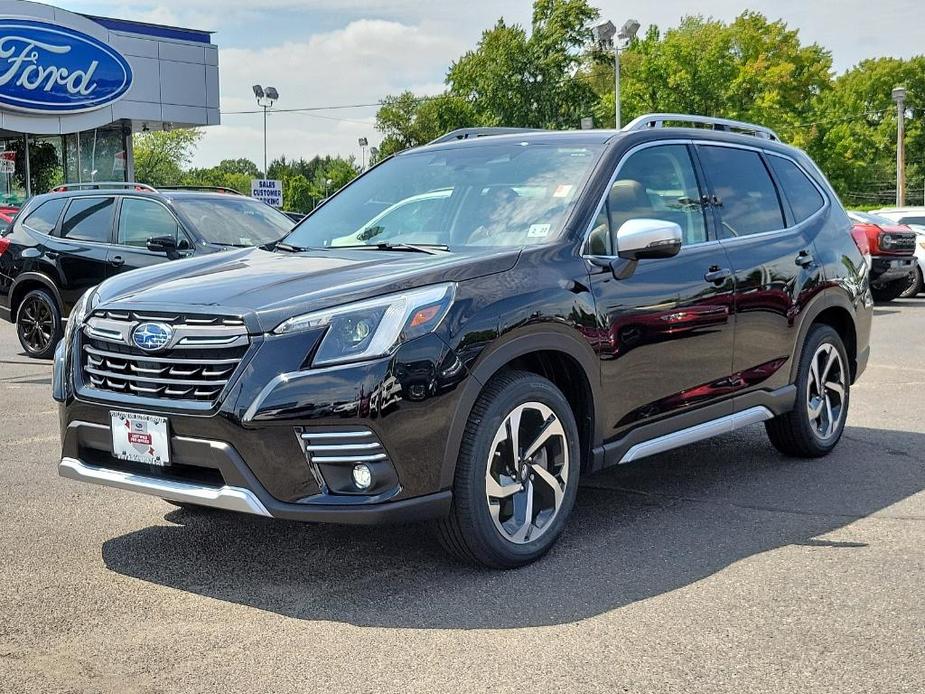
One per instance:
(268,287)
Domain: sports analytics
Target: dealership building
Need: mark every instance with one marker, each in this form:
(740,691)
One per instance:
(73,89)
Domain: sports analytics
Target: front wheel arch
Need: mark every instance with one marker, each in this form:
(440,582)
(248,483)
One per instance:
(527,352)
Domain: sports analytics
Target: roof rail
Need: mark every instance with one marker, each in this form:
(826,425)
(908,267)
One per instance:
(102,185)
(210,189)
(470,133)
(658,120)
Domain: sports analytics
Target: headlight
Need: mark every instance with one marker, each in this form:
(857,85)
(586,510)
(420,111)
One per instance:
(375,327)
(78,313)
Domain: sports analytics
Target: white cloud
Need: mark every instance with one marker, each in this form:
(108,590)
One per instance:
(360,63)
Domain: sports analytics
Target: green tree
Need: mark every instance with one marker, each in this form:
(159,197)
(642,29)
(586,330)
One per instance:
(161,156)
(408,121)
(852,134)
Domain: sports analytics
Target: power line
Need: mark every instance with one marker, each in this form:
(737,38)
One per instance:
(304,109)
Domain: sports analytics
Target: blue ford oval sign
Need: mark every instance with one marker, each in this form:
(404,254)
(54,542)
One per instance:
(45,68)
(152,336)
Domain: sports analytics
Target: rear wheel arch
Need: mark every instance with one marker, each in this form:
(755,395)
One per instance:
(562,358)
(837,313)
(25,283)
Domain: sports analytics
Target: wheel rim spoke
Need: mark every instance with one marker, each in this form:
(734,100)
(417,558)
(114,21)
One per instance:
(525,488)
(826,391)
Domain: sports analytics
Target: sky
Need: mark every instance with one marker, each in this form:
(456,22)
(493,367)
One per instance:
(346,52)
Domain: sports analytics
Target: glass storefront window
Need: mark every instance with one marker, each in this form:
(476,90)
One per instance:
(93,155)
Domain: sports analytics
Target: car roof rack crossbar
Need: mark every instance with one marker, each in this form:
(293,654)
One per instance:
(102,185)
(471,133)
(659,120)
(205,189)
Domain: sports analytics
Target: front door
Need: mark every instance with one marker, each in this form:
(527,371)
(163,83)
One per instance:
(141,219)
(666,331)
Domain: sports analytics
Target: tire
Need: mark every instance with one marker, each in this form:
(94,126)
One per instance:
(915,285)
(38,324)
(889,290)
(802,433)
(494,533)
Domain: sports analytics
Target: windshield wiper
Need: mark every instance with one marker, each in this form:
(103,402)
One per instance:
(428,248)
(288,247)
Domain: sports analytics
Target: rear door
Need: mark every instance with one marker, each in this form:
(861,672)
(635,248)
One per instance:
(141,219)
(769,240)
(666,331)
(85,235)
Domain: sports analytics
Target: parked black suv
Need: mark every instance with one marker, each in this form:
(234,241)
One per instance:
(467,327)
(65,242)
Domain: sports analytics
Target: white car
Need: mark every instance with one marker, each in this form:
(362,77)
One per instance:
(914,218)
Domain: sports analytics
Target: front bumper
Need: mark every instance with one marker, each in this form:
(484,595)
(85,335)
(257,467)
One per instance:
(889,268)
(254,453)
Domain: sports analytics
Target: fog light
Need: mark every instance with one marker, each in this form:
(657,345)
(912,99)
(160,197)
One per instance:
(362,476)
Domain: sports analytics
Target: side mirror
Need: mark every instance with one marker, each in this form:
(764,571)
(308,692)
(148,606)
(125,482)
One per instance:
(642,239)
(163,244)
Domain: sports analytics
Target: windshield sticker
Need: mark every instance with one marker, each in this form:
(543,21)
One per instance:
(538,231)
(563,191)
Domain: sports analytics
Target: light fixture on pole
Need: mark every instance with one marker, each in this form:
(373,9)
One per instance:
(606,35)
(899,96)
(265,100)
(364,143)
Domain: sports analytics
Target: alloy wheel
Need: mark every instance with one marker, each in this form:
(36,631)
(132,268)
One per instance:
(36,324)
(825,402)
(527,472)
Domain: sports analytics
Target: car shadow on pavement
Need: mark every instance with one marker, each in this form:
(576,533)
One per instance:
(637,531)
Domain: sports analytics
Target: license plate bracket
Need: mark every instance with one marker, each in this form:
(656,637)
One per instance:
(140,438)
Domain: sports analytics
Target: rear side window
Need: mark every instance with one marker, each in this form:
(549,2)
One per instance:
(805,199)
(44,218)
(141,220)
(748,199)
(89,219)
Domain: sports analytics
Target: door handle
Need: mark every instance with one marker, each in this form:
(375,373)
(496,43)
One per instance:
(717,274)
(117,261)
(804,259)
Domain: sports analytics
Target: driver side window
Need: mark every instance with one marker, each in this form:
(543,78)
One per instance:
(141,220)
(654,183)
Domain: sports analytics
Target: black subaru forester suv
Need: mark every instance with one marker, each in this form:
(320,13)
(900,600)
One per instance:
(469,326)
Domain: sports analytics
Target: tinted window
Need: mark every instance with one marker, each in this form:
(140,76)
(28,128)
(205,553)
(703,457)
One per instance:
(141,220)
(44,218)
(88,219)
(748,198)
(804,197)
(919,221)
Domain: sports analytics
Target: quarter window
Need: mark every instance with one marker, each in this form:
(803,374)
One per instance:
(89,219)
(748,200)
(141,220)
(44,218)
(654,183)
(804,198)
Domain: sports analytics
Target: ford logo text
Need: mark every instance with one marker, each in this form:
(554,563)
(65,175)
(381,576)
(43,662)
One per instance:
(46,68)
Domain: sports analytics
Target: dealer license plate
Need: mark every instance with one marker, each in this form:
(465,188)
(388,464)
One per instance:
(140,438)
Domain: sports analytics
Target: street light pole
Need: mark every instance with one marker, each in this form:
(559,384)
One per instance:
(265,99)
(606,35)
(899,96)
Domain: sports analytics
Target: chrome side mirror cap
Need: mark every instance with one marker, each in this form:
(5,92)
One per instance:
(641,239)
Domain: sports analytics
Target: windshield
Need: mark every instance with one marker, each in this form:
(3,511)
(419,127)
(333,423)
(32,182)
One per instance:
(487,195)
(230,220)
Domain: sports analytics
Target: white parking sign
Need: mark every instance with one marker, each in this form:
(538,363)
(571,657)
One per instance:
(268,190)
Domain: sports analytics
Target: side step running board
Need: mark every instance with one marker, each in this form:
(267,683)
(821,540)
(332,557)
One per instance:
(707,430)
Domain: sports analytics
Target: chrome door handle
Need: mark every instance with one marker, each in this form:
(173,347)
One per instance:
(717,274)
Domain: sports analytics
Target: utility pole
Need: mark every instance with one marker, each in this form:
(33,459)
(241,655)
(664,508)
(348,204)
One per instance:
(899,96)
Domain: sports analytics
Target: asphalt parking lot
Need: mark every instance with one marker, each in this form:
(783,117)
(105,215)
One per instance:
(719,567)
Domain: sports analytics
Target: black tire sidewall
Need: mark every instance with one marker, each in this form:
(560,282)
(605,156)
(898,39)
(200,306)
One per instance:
(57,331)
(520,389)
(916,286)
(821,334)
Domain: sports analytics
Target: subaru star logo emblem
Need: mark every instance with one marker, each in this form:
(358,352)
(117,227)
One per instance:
(152,337)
